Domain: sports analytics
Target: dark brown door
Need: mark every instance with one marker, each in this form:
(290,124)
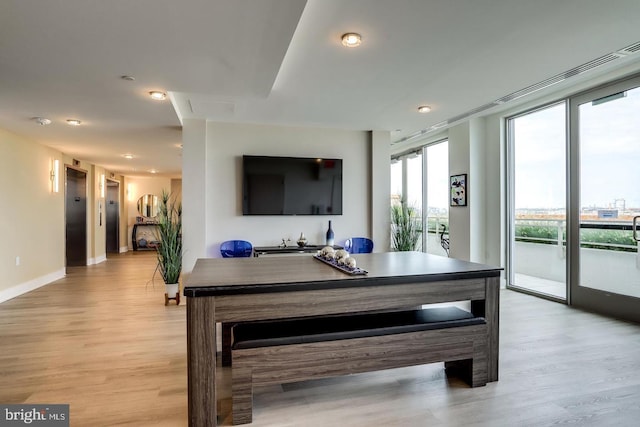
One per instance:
(76,217)
(113,216)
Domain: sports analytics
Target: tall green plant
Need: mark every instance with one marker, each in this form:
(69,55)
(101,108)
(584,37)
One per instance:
(170,238)
(406,227)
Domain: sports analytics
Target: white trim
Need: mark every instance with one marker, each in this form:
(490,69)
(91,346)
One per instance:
(124,249)
(36,283)
(98,260)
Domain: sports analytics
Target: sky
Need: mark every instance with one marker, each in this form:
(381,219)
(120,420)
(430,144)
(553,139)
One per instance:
(609,136)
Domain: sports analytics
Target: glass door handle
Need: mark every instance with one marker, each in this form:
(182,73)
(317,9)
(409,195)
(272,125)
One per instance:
(635,228)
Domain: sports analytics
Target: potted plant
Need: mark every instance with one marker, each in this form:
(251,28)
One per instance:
(406,227)
(170,245)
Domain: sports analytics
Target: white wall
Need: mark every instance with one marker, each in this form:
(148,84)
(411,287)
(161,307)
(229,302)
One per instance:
(31,216)
(212,185)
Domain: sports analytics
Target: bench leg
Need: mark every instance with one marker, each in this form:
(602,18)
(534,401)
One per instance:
(226,343)
(242,395)
(472,371)
(462,369)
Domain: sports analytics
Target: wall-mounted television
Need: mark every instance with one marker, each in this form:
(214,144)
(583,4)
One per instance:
(291,186)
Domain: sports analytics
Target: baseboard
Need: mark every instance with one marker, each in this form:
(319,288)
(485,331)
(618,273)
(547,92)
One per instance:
(124,249)
(97,260)
(23,288)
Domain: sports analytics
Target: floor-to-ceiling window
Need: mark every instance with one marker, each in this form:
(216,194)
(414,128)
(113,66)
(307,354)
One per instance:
(537,148)
(574,204)
(413,193)
(396,181)
(437,196)
(420,178)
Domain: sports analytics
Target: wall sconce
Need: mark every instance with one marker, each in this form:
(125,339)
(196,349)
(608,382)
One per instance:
(102,185)
(129,192)
(54,176)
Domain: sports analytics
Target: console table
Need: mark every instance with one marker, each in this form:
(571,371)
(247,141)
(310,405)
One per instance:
(308,249)
(244,289)
(151,243)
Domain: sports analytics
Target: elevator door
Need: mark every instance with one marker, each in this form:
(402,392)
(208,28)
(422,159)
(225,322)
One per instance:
(76,217)
(112,216)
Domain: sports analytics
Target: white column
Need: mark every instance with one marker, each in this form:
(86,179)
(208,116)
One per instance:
(380,179)
(459,216)
(467,224)
(194,191)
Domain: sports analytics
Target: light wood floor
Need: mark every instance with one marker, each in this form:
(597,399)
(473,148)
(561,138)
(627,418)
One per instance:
(102,341)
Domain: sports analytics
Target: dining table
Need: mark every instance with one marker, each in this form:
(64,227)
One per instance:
(258,288)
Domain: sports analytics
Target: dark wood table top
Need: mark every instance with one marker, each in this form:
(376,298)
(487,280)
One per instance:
(229,276)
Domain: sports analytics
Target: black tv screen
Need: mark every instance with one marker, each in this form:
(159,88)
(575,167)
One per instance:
(291,186)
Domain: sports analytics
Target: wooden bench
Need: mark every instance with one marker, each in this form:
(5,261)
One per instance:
(283,351)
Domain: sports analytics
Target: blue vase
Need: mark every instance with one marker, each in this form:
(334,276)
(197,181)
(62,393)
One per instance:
(330,235)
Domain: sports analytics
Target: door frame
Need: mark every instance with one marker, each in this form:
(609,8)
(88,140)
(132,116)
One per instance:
(511,197)
(609,303)
(67,167)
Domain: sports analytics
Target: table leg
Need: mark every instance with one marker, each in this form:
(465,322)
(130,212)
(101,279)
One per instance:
(201,361)
(489,308)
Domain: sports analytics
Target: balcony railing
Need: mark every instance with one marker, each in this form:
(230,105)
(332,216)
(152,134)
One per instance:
(606,235)
(609,256)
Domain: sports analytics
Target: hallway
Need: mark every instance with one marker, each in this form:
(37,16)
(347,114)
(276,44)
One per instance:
(100,340)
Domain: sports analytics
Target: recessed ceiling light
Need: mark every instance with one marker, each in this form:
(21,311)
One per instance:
(42,121)
(128,156)
(157,95)
(128,78)
(351,39)
(153,171)
(74,122)
(424,109)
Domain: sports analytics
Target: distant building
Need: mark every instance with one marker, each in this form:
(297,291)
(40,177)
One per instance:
(620,204)
(607,213)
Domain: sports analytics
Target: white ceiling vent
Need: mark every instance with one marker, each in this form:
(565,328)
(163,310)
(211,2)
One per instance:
(559,78)
(472,112)
(629,50)
(591,65)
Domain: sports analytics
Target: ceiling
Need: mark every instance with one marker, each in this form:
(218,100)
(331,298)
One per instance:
(280,62)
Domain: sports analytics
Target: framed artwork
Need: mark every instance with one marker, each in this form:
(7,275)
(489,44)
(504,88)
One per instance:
(458,190)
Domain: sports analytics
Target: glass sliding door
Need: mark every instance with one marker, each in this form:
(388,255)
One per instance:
(537,147)
(605,199)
